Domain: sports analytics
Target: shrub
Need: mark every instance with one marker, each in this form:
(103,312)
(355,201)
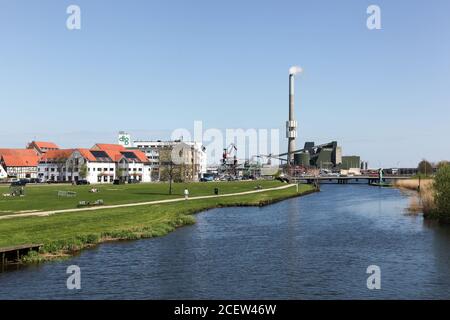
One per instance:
(32,257)
(442,193)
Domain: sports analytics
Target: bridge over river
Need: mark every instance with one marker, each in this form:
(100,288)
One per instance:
(350,179)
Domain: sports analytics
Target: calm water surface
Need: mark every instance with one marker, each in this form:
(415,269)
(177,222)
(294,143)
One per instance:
(314,247)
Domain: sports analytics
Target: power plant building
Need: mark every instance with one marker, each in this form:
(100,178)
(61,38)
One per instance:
(303,159)
(350,162)
(325,156)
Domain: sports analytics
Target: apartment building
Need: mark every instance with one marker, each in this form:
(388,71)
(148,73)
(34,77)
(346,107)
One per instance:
(101,164)
(160,152)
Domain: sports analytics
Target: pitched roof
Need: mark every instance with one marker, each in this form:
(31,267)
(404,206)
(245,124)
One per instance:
(19,157)
(18,152)
(45,145)
(96,154)
(115,155)
(86,153)
(140,155)
(117,151)
(57,154)
(106,146)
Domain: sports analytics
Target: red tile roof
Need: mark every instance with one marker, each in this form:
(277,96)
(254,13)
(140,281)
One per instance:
(57,154)
(106,146)
(140,155)
(117,155)
(86,153)
(19,157)
(113,154)
(44,145)
(114,151)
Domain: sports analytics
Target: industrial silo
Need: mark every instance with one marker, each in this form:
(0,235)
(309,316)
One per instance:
(302,159)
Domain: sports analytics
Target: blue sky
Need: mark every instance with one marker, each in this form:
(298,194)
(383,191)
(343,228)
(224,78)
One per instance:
(148,67)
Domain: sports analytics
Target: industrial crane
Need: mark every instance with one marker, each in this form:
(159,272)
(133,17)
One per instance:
(270,157)
(229,159)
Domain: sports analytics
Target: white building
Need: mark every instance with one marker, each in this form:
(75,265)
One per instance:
(19,163)
(131,164)
(97,166)
(53,166)
(3,174)
(101,164)
(152,149)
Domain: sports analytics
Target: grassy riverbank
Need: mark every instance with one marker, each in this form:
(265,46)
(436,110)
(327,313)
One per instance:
(45,197)
(433,197)
(66,233)
(424,200)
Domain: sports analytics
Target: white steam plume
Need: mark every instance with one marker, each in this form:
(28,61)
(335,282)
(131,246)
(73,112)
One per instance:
(295,70)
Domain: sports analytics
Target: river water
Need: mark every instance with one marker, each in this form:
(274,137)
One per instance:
(313,247)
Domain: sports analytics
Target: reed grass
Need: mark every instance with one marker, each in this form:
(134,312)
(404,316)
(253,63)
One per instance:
(425,200)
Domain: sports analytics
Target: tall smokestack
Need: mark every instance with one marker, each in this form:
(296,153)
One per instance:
(291,124)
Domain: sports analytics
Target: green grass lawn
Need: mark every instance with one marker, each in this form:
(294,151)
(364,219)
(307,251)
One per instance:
(44,197)
(68,232)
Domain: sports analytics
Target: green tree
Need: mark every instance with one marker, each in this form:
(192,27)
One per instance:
(425,167)
(120,173)
(442,193)
(442,163)
(83,171)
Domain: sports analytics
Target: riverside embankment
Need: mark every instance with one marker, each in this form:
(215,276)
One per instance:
(65,232)
(313,247)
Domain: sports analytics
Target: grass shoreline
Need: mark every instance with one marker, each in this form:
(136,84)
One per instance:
(150,221)
(45,197)
(423,199)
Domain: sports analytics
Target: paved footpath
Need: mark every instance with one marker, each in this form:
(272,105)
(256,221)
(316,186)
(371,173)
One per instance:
(48,213)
